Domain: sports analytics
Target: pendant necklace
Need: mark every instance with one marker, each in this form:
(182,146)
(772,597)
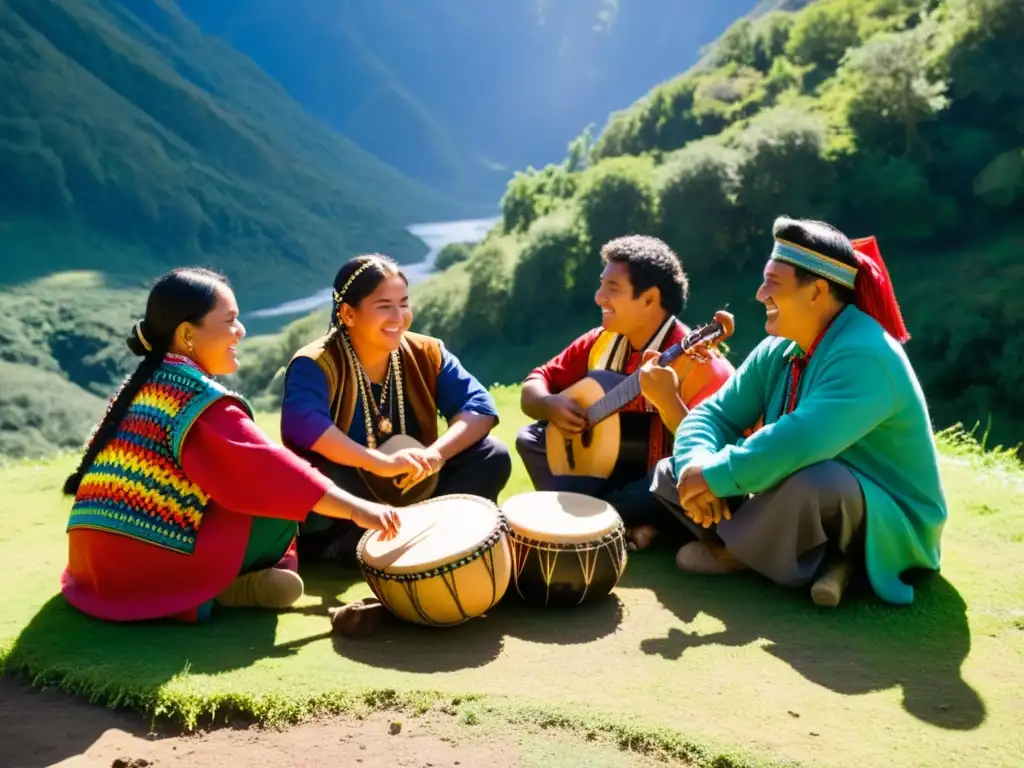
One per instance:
(384,424)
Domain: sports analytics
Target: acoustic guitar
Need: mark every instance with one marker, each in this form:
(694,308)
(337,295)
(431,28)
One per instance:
(392,490)
(612,444)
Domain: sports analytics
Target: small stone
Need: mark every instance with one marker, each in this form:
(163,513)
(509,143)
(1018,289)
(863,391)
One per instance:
(395,728)
(794,714)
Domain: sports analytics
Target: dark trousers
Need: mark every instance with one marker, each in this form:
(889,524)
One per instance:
(482,469)
(632,499)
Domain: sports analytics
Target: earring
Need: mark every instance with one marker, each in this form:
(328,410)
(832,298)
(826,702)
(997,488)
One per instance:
(191,347)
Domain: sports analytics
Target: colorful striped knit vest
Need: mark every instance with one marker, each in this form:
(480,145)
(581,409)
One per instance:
(136,486)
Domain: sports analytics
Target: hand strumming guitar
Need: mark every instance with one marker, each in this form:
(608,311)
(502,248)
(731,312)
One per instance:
(565,414)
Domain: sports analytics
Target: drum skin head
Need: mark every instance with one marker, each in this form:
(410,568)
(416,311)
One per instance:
(560,517)
(433,533)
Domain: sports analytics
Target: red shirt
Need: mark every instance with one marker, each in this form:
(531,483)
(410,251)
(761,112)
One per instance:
(246,474)
(697,381)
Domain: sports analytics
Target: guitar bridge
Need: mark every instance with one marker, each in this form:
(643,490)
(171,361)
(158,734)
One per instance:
(569,456)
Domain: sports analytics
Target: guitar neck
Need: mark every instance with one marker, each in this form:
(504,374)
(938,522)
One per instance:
(629,390)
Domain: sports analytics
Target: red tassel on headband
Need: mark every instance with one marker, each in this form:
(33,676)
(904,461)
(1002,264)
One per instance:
(874,291)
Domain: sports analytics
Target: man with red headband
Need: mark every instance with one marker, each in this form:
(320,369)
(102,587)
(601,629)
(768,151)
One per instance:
(844,470)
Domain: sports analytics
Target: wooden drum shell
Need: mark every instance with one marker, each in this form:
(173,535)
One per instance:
(560,575)
(448,593)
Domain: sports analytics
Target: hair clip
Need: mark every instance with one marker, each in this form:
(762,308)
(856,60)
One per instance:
(141,337)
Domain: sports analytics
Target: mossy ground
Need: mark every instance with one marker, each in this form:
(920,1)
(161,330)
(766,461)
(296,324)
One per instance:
(705,669)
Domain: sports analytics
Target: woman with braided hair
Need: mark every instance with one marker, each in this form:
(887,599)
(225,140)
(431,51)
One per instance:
(368,378)
(181,502)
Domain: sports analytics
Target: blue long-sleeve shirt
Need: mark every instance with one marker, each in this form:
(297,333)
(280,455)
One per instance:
(305,410)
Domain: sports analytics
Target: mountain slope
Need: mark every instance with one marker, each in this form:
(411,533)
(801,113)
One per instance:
(458,92)
(124,119)
(884,117)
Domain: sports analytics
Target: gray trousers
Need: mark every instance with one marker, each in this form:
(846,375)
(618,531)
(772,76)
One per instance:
(786,532)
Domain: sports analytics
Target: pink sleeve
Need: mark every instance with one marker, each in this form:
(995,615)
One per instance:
(243,470)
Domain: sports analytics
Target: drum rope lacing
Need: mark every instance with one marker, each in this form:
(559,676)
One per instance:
(501,527)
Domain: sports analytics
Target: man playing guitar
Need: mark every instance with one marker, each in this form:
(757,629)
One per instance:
(643,288)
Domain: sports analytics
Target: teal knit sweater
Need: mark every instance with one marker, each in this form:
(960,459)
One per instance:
(859,403)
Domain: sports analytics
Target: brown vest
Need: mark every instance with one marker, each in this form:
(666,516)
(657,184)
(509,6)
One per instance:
(421,362)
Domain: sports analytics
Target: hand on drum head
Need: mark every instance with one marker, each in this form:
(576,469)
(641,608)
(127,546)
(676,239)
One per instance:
(377,517)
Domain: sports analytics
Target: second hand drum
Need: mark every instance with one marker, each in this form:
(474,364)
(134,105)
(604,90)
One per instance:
(449,563)
(567,548)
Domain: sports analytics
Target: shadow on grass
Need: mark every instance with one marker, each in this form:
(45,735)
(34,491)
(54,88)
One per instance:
(860,647)
(411,648)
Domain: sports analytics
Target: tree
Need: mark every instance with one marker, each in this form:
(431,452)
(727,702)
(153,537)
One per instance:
(616,198)
(452,254)
(517,204)
(892,73)
(753,43)
(580,150)
(984,58)
(696,189)
(1001,183)
(782,171)
(542,279)
(821,35)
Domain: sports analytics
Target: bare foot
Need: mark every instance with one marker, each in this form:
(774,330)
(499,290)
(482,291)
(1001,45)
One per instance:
(641,536)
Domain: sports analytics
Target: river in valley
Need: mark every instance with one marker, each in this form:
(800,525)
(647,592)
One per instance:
(436,234)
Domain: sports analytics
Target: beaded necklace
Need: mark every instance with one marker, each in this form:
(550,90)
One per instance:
(384,424)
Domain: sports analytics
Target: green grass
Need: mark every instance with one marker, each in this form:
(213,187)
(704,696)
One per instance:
(709,670)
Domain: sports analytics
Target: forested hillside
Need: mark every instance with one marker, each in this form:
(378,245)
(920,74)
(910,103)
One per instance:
(129,143)
(445,89)
(898,118)
(119,117)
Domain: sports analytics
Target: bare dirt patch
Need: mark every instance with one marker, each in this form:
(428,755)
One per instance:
(48,728)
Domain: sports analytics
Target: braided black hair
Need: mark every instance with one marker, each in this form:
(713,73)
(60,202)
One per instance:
(182,295)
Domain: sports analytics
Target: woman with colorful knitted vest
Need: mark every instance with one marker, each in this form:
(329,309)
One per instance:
(368,379)
(181,501)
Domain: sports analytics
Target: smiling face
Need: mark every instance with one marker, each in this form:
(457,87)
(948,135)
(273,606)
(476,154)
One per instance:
(213,341)
(382,317)
(794,310)
(620,311)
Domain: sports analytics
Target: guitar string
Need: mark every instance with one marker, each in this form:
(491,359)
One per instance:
(630,388)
